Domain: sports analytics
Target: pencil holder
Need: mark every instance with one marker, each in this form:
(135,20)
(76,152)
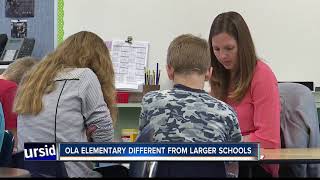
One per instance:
(148,88)
(135,97)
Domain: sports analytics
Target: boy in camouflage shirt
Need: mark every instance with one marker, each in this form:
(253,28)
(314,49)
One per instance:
(186,113)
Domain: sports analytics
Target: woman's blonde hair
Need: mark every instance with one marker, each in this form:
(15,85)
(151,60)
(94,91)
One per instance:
(81,50)
(18,68)
(234,25)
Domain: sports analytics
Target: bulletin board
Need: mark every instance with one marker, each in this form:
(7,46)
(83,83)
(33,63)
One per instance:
(40,25)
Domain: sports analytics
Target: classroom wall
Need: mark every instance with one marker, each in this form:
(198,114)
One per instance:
(285,32)
(41,26)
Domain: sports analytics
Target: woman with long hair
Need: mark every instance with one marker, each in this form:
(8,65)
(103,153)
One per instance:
(246,83)
(70,90)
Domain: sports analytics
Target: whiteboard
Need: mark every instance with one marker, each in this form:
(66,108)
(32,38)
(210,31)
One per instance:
(285,32)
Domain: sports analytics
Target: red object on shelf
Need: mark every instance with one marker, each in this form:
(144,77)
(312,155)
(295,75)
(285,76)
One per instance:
(122,97)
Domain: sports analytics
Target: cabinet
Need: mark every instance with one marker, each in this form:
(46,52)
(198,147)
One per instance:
(128,118)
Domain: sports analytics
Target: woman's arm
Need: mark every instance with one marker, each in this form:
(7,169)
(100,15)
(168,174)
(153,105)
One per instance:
(94,108)
(266,112)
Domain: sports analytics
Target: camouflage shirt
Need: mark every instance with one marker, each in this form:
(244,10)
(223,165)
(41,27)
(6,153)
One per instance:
(182,114)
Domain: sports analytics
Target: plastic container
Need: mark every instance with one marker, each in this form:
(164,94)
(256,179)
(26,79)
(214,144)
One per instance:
(122,97)
(129,135)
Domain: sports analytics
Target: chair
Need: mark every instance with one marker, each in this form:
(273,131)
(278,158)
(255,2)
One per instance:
(174,168)
(114,170)
(143,168)
(180,169)
(299,127)
(6,149)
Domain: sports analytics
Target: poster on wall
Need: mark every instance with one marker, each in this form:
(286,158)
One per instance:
(19,28)
(19,8)
(129,61)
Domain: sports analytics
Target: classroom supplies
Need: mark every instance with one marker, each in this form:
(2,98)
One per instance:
(148,88)
(129,135)
(152,77)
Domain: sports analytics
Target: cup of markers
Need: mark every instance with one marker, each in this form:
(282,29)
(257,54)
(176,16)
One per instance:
(151,80)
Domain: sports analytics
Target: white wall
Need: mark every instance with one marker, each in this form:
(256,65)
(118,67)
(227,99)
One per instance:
(285,32)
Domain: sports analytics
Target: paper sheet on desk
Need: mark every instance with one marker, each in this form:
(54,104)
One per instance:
(129,62)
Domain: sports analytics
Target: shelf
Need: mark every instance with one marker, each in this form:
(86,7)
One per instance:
(121,105)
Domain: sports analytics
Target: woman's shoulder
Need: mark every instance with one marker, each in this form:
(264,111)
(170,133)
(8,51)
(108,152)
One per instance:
(76,74)
(263,79)
(263,72)
(87,73)
(262,67)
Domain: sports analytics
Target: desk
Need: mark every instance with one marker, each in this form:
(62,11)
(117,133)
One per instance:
(291,155)
(285,156)
(13,172)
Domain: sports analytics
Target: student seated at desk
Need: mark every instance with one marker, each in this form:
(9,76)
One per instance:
(71,89)
(186,113)
(9,81)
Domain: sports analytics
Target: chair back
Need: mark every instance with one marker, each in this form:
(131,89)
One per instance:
(173,168)
(200,169)
(299,127)
(142,168)
(113,171)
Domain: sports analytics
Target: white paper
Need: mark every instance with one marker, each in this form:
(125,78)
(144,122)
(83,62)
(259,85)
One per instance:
(9,55)
(19,28)
(129,61)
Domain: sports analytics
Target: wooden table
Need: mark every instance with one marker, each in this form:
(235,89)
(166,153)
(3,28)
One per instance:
(286,156)
(290,155)
(13,172)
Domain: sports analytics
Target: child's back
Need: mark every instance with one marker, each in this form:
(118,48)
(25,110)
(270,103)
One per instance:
(183,114)
(186,113)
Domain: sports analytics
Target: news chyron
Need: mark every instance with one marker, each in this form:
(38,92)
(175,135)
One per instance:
(40,151)
(142,151)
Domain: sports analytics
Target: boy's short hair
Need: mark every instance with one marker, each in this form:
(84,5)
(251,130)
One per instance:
(188,53)
(16,70)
